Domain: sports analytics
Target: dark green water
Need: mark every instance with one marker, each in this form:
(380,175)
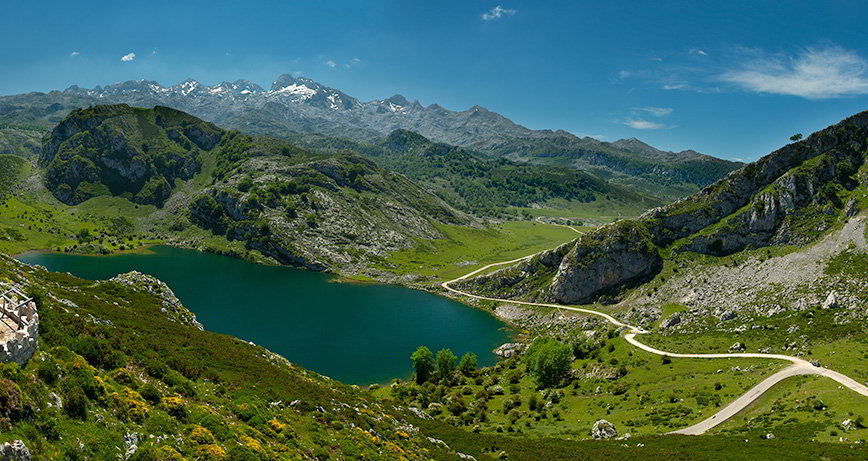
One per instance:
(356,333)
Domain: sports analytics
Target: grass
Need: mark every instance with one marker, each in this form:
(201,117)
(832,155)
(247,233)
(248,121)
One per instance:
(599,211)
(802,407)
(465,249)
(652,398)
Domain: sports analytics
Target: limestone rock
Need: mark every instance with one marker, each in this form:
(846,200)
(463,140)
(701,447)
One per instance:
(737,347)
(15,451)
(831,301)
(604,259)
(131,444)
(603,429)
(508,350)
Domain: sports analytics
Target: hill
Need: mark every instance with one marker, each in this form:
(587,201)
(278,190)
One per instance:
(117,373)
(199,185)
(789,197)
(483,185)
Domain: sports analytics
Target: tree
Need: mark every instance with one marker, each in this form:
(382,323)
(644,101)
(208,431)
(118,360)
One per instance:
(796,137)
(423,363)
(446,362)
(548,361)
(468,364)
(582,347)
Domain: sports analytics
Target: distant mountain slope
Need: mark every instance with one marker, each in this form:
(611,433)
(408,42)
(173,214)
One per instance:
(296,107)
(301,208)
(480,184)
(788,197)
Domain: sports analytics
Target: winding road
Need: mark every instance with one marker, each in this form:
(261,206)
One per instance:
(798,367)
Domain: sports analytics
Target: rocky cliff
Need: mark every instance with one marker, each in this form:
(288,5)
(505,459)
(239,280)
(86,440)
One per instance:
(790,196)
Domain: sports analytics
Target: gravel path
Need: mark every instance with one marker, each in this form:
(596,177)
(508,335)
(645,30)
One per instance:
(798,367)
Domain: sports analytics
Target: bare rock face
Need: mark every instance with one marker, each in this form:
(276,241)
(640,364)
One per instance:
(15,451)
(603,429)
(602,260)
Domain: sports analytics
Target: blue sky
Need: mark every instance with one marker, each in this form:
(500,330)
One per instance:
(732,79)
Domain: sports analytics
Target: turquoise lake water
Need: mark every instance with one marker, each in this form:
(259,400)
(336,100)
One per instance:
(355,333)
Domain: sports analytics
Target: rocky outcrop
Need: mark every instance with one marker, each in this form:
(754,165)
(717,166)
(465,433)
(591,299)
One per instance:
(844,141)
(804,194)
(15,451)
(604,259)
(172,306)
(520,280)
(603,429)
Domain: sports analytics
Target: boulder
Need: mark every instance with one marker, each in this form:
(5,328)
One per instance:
(673,320)
(737,347)
(831,301)
(603,429)
(15,451)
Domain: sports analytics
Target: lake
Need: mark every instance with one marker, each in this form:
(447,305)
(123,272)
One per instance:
(355,333)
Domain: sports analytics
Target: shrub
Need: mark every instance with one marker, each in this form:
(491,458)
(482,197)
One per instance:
(129,405)
(175,406)
(11,406)
(201,435)
(548,361)
(468,364)
(151,394)
(210,452)
(48,370)
(75,403)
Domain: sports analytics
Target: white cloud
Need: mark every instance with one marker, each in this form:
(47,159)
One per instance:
(331,63)
(675,86)
(75,53)
(653,111)
(698,51)
(816,73)
(128,57)
(641,124)
(496,13)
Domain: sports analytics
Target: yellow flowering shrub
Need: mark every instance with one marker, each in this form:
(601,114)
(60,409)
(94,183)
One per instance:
(276,425)
(251,443)
(168,453)
(129,405)
(174,405)
(210,452)
(201,435)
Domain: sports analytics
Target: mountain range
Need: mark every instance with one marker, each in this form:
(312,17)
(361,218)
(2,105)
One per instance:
(303,111)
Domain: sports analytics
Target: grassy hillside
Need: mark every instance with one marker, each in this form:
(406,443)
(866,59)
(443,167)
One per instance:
(120,365)
(489,186)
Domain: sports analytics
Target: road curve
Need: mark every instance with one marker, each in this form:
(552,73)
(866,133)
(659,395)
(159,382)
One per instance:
(799,366)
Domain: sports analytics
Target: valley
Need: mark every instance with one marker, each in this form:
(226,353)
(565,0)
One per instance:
(576,265)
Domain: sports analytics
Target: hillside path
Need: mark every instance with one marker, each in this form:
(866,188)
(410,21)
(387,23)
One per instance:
(799,366)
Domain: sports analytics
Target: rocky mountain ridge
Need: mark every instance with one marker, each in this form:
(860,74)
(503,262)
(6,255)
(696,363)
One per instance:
(295,108)
(790,196)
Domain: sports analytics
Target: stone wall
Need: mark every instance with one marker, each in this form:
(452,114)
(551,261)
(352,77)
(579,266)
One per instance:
(19,345)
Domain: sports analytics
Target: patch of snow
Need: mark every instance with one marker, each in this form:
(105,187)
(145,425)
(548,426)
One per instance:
(299,90)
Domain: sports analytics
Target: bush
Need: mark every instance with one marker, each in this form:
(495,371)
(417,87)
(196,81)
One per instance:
(151,394)
(48,370)
(75,403)
(548,361)
(11,407)
(468,364)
